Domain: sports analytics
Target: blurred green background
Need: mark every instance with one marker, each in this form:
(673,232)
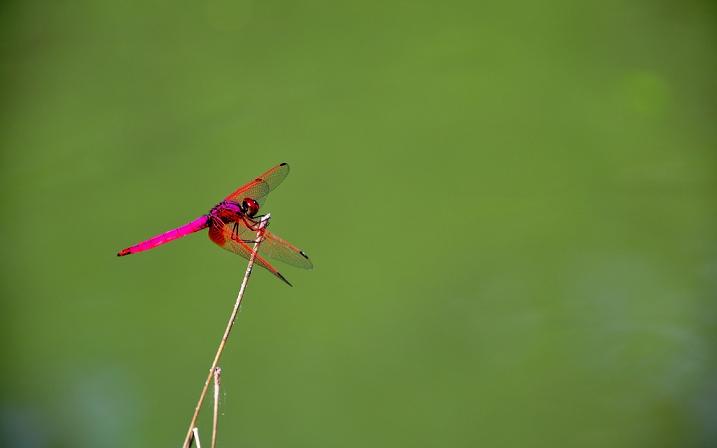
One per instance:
(510,206)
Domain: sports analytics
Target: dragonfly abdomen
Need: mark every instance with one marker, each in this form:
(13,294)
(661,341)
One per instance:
(171,235)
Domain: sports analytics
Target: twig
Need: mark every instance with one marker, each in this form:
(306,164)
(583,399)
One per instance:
(259,237)
(215,420)
(195,435)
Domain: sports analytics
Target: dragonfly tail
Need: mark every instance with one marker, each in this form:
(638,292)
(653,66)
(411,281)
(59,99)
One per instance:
(191,227)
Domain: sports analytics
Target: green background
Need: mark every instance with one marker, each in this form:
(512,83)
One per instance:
(510,207)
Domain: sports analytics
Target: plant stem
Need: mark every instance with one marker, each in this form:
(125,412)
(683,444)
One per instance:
(232,318)
(195,435)
(215,419)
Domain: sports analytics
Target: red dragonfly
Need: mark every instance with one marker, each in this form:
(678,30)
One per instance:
(234,222)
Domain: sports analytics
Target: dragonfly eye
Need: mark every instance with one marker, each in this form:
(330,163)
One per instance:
(250,207)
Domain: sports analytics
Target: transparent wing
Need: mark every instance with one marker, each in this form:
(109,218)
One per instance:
(278,249)
(274,247)
(258,188)
(227,238)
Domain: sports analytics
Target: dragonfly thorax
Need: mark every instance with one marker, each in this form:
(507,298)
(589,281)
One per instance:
(227,211)
(231,211)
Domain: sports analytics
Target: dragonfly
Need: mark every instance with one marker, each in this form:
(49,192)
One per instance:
(233,224)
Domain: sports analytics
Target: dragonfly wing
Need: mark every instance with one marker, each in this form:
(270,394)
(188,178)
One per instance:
(225,237)
(274,247)
(278,249)
(258,188)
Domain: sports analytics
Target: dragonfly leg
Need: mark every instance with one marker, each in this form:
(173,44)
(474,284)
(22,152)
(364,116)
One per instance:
(235,230)
(250,223)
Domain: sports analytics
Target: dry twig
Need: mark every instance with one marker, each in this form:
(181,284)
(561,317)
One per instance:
(215,419)
(232,318)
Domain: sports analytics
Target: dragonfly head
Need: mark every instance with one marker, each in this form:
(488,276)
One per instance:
(250,207)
